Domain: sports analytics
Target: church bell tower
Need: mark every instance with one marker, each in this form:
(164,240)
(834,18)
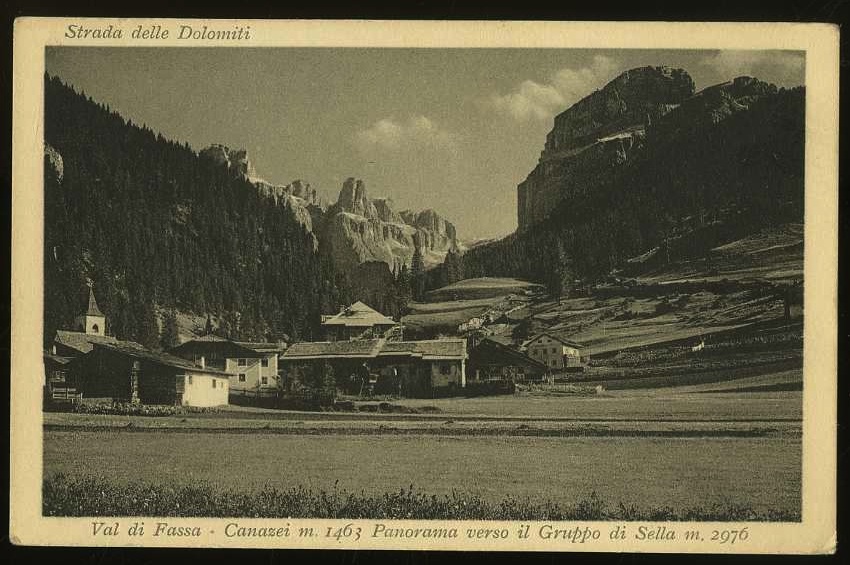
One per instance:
(92,322)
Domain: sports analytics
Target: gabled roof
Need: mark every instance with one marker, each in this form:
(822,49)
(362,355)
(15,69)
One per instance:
(137,351)
(427,349)
(262,346)
(209,343)
(356,349)
(359,314)
(371,348)
(566,342)
(490,351)
(80,341)
(93,310)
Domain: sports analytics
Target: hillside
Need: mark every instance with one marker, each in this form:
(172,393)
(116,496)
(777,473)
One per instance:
(637,190)
(157,229)
(444,310)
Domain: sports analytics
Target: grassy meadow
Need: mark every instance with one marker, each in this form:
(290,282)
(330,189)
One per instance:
(679,454)
(759,473)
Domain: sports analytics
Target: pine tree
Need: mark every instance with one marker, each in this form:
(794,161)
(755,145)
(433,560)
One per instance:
(417,272)
(403,291)
(170,331)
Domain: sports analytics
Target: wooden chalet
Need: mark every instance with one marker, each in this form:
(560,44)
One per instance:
(493,361)
(357,321)
(127,372)
(407,368)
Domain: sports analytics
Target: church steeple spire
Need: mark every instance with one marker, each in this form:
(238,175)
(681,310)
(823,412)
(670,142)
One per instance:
(93,309)
(92,321)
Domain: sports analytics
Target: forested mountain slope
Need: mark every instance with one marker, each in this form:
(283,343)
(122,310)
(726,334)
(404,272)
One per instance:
(157,229)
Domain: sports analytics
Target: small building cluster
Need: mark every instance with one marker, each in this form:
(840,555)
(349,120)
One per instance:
(363,353)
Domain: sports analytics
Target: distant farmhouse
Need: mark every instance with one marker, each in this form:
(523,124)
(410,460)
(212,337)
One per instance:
(490,360)
(557,353)
(358,321)
(250,366)
(86,363)
(407,368)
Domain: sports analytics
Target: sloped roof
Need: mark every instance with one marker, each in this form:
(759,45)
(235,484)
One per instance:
(490,351)
(57,359)
(359,349)
(207,344)
(137,351)
(81,341)
(428,349)
(93,310)
(262,346)
(370,348)
(566,342)
(359,314)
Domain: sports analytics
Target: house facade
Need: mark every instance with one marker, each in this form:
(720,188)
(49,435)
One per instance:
(127,372)
(251,367)
(556,353)
(407,368)
(357,321)
(493,361)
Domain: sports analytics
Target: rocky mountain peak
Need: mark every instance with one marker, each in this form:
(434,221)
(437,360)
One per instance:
(626,103)
(236,160)
(353,199)
(360,229)
(386,210)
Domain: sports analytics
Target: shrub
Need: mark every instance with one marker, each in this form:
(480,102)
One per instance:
(97,496)
(129,409)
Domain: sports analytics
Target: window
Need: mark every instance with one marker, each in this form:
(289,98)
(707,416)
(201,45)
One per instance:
(554,362)
(94,328)
(445,369)
(242,362)
(265,362)
(189,379)
(241,377)
(214,383)
(264,380)
(554,350)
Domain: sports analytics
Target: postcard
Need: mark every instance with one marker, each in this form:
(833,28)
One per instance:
(441,285)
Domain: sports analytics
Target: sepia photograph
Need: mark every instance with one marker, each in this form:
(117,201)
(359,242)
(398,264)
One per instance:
(540,285)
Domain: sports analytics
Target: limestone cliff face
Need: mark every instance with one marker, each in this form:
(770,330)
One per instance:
(360,229)
(597,134)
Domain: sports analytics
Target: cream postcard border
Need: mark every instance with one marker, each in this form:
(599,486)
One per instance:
(815,534)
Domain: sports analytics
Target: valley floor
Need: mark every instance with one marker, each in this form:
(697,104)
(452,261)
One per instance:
(650,448)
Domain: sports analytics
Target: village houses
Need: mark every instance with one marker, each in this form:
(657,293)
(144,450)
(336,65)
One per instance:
(86,363)
(252,367)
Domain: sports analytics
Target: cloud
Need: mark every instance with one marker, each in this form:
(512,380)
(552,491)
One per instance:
(737,63)
(416,131)
(540,101)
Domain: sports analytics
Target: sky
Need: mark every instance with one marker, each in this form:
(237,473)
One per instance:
(450,129)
